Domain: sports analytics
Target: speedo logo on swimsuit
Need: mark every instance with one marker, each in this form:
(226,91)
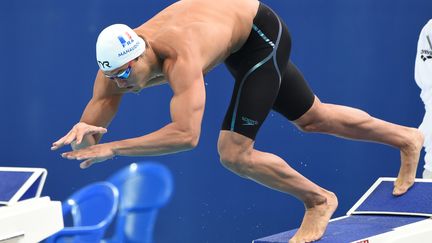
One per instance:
(248,121)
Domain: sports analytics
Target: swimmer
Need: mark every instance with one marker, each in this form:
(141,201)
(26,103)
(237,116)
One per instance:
(423,77)
(185,41)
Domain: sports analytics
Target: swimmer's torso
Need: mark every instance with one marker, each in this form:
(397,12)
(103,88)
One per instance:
(214,29)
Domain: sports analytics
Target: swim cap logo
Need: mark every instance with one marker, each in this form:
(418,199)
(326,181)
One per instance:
(104,64)
(125,42)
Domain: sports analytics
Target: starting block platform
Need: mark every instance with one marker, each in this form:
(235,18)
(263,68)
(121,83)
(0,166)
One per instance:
(380,217)
(25,216)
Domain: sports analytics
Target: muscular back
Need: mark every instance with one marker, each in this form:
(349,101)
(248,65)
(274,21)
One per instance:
(212,29)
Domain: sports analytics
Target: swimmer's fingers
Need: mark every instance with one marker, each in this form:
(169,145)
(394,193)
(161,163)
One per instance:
(67,139)
(90,155)
(88,163)
(77,133)
(88,130)
(61,142)
(100,130)
(70,137)
(88,160)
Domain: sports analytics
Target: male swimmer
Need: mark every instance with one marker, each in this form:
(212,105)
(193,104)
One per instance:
(182,43)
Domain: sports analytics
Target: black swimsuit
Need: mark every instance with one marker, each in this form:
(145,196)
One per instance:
(265,77)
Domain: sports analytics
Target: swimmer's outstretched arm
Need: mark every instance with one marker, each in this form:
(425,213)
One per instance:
(187,108)
(97,115)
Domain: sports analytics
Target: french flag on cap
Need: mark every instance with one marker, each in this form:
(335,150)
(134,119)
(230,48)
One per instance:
(123,41)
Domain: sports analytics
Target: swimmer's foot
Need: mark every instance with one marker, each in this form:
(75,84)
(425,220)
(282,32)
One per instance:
(315,220)
(409,161)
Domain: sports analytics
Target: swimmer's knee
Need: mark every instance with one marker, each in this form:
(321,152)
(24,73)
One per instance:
(317,124)
(235,156)
(237,163)
(315,119)
(313,126)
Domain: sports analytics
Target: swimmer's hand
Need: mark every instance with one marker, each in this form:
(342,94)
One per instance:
(90,155)
(76,135)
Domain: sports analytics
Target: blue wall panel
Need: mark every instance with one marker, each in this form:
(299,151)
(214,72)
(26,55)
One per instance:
(358,53)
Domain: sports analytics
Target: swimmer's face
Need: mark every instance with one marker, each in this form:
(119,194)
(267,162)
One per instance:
(136,74)
(126,76)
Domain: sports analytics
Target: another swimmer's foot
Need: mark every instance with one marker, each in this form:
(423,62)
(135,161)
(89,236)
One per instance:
(409,161)
(315,220)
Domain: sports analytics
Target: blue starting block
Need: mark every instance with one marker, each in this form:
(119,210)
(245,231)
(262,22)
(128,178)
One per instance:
(380,217)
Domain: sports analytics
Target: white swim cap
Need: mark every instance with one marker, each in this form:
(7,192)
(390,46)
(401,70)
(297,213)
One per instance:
(116,45)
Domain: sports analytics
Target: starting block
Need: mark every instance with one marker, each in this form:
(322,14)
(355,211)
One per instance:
(380,217)
(25,216)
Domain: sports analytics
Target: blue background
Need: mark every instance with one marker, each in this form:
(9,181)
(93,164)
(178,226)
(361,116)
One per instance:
(357,53)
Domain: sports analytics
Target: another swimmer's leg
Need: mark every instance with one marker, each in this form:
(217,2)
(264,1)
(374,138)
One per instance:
(238,155)
(356,124)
